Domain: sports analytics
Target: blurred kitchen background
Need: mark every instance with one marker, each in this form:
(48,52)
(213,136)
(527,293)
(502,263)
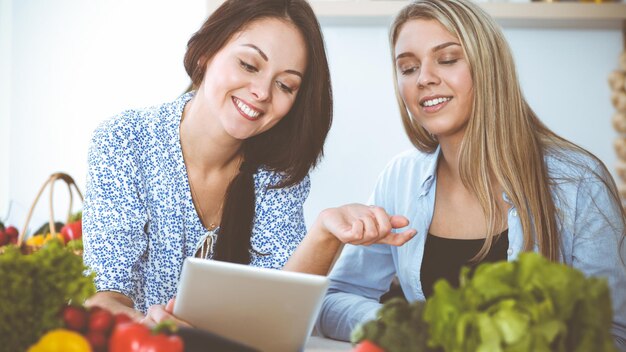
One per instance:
(66,65)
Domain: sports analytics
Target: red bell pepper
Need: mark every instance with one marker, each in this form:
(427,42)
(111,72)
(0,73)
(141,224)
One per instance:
(367,346)
(136,337)
(72,231)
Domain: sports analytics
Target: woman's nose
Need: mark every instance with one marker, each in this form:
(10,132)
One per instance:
(261,89)
(427,76)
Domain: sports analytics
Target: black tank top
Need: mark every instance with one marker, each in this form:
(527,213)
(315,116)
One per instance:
(444,257)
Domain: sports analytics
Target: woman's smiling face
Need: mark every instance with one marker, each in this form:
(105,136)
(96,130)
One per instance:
(252,82)
(434,78)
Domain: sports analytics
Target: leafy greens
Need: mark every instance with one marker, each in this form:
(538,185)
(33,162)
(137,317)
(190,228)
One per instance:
(33,289)
(530,304)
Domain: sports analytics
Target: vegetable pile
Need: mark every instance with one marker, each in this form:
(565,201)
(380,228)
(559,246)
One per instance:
(94,324)
(70,234)
(35,287)
(531,304)
(98,330)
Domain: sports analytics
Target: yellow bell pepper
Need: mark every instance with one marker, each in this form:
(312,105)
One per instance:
(39,240)
(49,238)
(35,241)
(61,340)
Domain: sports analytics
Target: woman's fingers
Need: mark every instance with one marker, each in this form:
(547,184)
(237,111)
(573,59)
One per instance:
(356,233)
(159,313)
(377,227)
(371,233)
(382,219)
(398,221)
(154,315)
(170,305)
(358,224)
(398,239)
(385,224)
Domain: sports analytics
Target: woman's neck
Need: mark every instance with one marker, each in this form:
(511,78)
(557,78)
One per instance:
(449,165)
(449,158)
(206,147)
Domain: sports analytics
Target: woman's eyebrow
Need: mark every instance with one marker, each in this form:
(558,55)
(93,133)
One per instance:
(258,50)
(405,54)
(444,45)
(435,49)
(262,54)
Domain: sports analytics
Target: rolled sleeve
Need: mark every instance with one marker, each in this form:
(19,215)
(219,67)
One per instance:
(279,220)
(598,248)
(362,275)
(114,216)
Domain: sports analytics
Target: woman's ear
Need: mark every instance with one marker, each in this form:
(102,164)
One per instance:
(202,63)
(201,67)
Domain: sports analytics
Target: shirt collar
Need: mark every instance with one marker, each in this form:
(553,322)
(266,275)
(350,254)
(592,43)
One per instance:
(429,174)
(506,198)
(429,171)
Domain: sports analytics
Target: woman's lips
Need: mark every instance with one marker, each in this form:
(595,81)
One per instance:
(246,110)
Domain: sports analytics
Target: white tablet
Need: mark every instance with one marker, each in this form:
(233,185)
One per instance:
(267,309)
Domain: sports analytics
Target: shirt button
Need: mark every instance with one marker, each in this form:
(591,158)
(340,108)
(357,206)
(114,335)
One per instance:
(514,212)
(509,252)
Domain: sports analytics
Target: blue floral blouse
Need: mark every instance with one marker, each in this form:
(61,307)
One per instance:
(139,221)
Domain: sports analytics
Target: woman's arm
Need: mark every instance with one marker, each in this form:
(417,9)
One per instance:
(598,245)
(358,280)
(113,216)
(363,274)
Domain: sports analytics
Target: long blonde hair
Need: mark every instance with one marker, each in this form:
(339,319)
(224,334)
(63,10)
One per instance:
(504,141)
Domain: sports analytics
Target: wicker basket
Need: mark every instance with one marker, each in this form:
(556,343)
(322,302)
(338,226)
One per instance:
(72,189)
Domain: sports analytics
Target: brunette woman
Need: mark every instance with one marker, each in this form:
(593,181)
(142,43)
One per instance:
(221,172)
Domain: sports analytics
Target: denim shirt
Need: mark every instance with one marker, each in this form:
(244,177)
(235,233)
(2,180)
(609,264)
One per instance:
(591,228)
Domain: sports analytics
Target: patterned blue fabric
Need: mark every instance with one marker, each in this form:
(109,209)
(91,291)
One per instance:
(139,221)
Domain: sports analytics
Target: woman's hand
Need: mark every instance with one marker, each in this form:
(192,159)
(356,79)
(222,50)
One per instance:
(158,313)
(364,225)
(115,303)
(353,223)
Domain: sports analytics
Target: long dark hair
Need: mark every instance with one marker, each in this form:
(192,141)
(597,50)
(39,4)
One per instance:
(295,145)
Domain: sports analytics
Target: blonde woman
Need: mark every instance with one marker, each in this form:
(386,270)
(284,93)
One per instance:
(487,179)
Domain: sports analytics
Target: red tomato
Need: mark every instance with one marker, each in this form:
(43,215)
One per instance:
(126,337)
(162,343)
(75,318)
(136,337)
(97,341)
(12,233)
(120,318)
(100,320)
(367,346)
(72,231)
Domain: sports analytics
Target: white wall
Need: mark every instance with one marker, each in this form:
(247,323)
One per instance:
(73,63)
(5,100)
